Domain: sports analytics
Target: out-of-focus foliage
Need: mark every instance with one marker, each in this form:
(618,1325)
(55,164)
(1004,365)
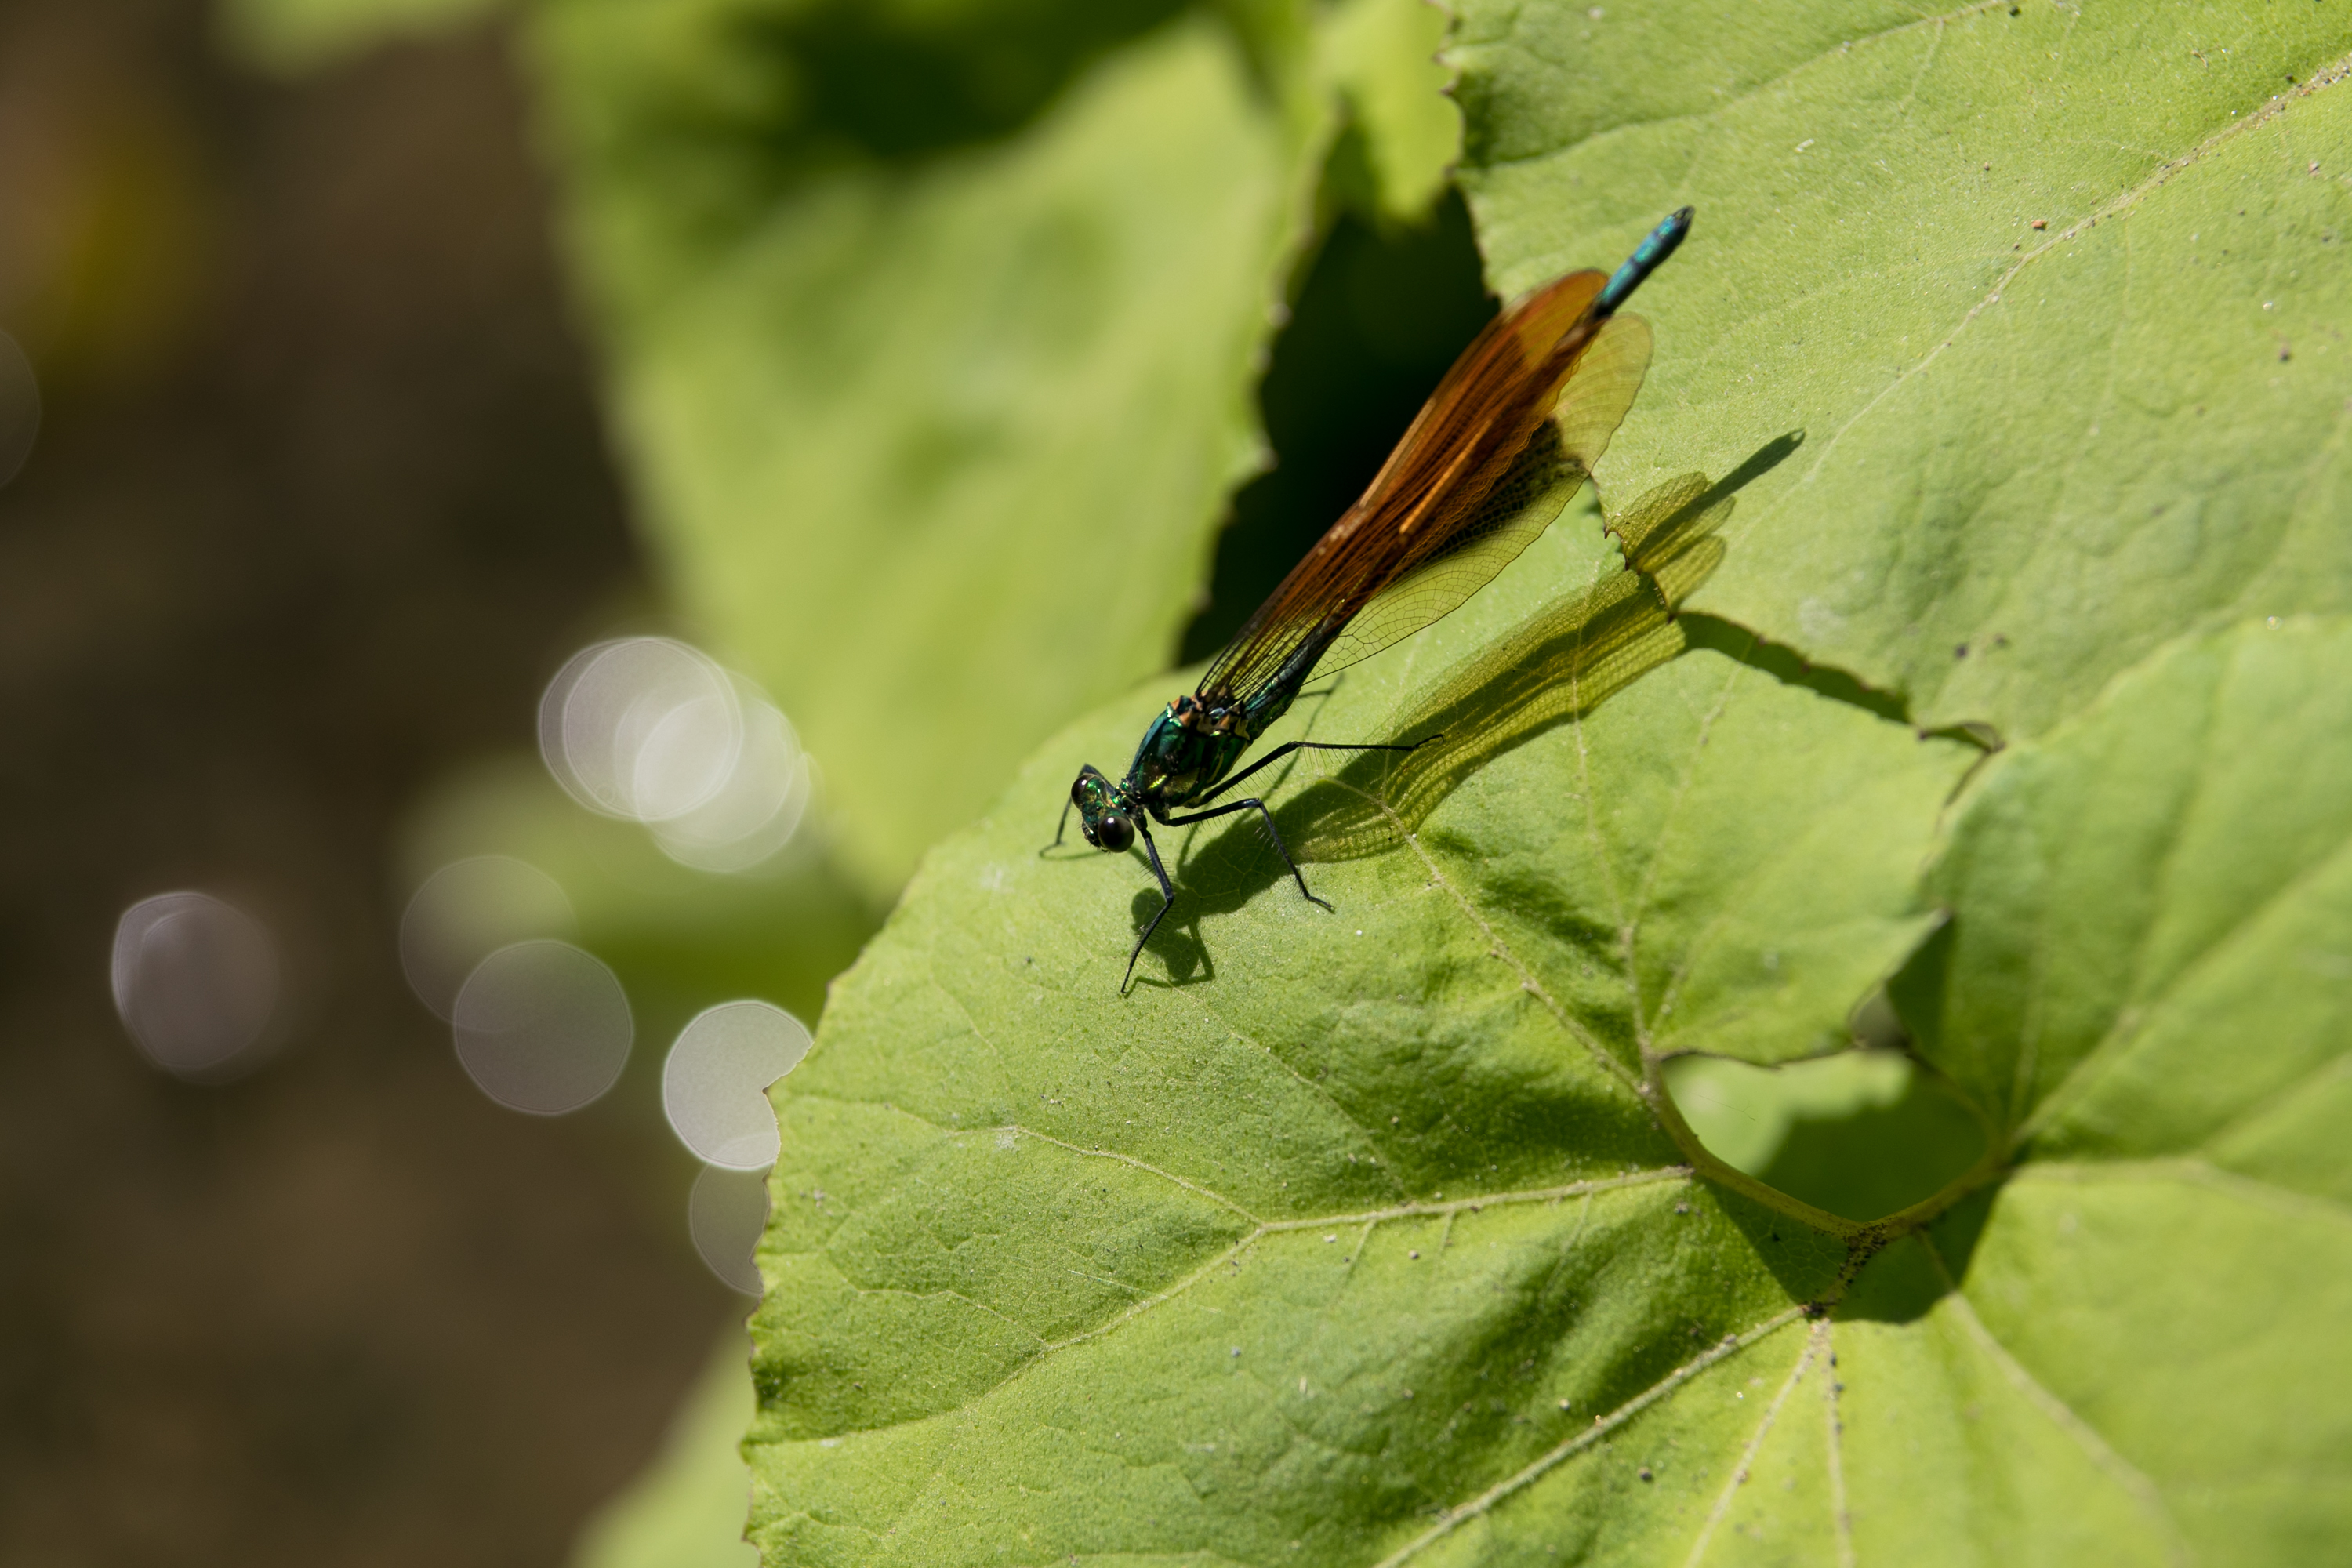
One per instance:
(292,36)
(686,1511)
(681,940)
(931,331)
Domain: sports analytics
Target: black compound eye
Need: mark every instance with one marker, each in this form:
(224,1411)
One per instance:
(1116,833)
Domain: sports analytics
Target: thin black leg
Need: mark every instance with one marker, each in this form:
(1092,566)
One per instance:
(1279,847)
(1064,825)
(1168,901)
(1281,752)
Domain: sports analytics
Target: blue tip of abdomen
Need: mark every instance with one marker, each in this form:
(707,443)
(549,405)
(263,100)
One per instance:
(1646,259)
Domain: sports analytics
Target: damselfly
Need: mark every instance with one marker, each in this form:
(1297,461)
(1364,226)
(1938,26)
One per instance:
(1476,479)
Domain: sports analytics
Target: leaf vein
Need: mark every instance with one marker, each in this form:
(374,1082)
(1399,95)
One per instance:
(2122,1472)
(1757,89)
(1527,979)
(2120,204)
(1738,1476)
(2129,1028)
(1601,1426)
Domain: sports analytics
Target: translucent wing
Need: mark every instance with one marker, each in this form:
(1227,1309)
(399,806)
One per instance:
(1464,492)
(1557,456)
(1601,391)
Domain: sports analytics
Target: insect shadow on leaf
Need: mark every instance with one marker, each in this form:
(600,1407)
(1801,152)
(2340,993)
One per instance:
(1560,664)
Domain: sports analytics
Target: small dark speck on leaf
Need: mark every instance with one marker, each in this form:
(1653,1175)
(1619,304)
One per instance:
(1682,1208)
(1644,1473)
(1960,650)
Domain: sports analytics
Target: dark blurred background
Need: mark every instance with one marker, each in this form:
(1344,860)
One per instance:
(319,498)
(319,504)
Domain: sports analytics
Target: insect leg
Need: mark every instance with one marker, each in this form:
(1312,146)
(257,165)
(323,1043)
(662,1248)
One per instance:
(1167,901)
(1281,752)
(1275,833)
(1064,825)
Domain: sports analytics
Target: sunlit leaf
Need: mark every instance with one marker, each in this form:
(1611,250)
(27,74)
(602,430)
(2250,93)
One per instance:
(1369,1236)
(1312,1234)
(2059,291)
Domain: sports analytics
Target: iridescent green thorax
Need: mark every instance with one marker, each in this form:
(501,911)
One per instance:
(1188,747)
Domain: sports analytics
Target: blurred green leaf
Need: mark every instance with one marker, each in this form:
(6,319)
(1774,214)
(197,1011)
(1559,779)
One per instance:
(931,330)
(2059,291)
(295,35)
(686,1509)
(681,939)
(1383,53)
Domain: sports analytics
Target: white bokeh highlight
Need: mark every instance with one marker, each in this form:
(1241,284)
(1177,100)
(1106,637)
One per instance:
(468,910)
(196,982)
(725,1213)
(759,807)
(652,730)
(543,1026)
(642,728)
(715,1082)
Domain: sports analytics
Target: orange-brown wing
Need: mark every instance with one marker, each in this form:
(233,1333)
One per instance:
(1555,460)
(1462,494)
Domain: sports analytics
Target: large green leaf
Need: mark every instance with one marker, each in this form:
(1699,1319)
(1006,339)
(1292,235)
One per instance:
(2145,984)
(1373,1236)
(931,331)
(1338,1218)
(1333,1248)
(2058,289)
